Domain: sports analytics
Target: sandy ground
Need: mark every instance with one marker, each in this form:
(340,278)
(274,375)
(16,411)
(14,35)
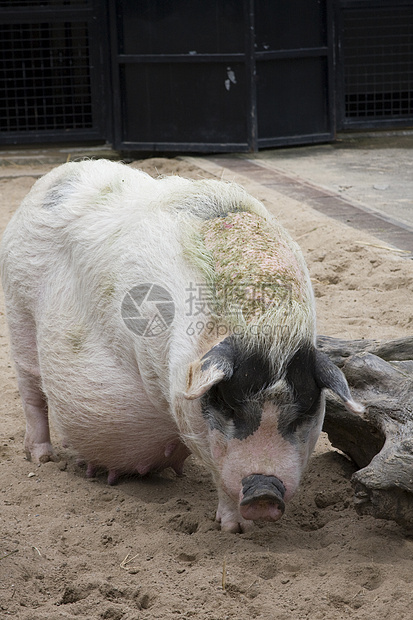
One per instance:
(149,548)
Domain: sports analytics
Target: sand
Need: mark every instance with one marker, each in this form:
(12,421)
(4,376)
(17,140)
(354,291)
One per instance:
(149,548)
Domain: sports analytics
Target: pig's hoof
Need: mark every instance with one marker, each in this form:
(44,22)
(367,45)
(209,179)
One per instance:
(91,471)
(113,477)
(237,527)
(40,453)
(234,524)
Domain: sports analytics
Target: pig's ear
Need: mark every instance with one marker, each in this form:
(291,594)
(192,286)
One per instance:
(328,375)
(215,366)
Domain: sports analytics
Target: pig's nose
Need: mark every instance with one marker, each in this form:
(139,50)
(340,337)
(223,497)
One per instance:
(262,498)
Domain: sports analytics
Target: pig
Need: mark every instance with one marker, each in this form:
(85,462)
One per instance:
(154,318)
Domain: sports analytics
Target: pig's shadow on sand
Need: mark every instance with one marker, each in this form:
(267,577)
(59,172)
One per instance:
(324,492)
(155,487)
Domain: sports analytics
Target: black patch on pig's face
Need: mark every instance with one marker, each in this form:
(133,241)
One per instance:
(306,394)
(234,406)
(222,356)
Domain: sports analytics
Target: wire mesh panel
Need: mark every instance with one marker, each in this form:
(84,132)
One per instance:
(377,46)
(50,75)
(44,70)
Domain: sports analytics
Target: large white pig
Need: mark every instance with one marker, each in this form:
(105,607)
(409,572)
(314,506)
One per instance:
(154,318)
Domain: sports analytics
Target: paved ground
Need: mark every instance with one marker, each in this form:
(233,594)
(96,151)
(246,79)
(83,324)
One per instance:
(366,182)
(373,171)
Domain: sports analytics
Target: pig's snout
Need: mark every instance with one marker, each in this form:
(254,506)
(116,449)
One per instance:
(262,498)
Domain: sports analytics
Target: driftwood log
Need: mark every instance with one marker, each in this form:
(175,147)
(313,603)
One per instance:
(379,441)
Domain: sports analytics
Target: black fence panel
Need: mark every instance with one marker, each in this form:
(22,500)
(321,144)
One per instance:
(191,75)
(180,75)
(293,102)
(293,43)
(221,76)
(376,57)
(51,72)
(171,113)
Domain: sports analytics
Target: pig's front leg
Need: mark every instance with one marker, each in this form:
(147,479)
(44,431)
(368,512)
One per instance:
(37,439)
(229,516)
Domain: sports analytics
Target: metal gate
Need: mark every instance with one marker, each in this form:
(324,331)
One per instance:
(375,62)
(221,76)
(52,71)
(292,56)
(198,75)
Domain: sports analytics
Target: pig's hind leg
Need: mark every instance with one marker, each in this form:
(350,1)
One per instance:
(37,439)
(37,443)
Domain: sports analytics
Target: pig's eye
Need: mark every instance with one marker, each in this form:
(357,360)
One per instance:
(306,411)
(308,407)
(218,402)
(233,419)
(228,410)
(299,412)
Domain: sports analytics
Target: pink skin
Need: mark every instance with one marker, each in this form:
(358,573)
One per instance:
(260,511)
(264,452)
(128,439)
(175,454)
(39,449)
(229,517)
(91,471)
(142,469)
(170,449)
(113,477)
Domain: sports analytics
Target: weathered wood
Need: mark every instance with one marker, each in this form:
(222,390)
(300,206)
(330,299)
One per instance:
(379,441)
(399,349)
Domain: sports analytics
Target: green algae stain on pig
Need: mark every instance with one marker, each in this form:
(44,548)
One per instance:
(75,338)
(254,268)
(257,278)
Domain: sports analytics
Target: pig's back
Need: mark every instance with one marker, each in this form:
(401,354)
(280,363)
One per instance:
(80,220)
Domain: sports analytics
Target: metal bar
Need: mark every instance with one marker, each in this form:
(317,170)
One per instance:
(116,85)
(331,90)
(171,58)
(251,72)
(99,61)
(39,136)
(200,147)
(36,16)
(311,52)
(385,122)
(340,111)
(373,4)
(316,138)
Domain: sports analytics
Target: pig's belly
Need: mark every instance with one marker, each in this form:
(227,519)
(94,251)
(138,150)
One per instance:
(107,417)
